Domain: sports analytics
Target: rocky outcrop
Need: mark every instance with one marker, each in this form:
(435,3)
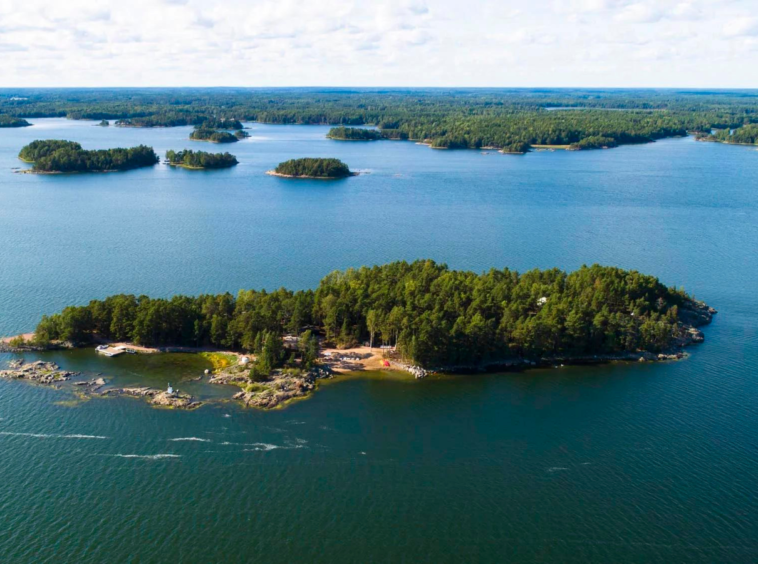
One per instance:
(281,387)
(417,371)
(39,371)
(175,400)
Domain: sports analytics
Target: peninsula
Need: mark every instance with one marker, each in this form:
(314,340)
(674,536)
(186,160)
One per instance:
(322,169)
(417,317)
(199,160)
(55,156)
(745,135)
(10,121)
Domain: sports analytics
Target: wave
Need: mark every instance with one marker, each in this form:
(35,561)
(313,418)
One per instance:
(50,436)
(145,456)
(190,439)
(556,469)
(265,447)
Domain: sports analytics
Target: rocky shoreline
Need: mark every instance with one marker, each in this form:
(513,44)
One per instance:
(282,387)
(158,398)
(38,371)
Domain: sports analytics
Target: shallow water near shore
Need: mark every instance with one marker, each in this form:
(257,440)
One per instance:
(620,462)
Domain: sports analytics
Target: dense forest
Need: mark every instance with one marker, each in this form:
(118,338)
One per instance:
(313,168)
(9,121)
(67,156)
(435,316)
(746,135)
(200,159)
(212,135)
(354,134)
(508,119)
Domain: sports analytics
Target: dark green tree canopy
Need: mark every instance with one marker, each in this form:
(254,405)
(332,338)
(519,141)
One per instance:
(313,168)
(435,316)
(68,156)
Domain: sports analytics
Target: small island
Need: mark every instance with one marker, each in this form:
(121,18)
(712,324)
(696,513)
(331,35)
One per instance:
(213,136)
(55,156)
(312,168)
(10,121)
(354,134)
(199,160)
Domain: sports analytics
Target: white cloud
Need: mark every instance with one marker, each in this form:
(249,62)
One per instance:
(392,42)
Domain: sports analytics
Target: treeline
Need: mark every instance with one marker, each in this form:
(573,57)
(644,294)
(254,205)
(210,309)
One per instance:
(68,156)
(200,159)
(10,121)
(205,134)
(455,119)
(594,142)
(313,168)
(435,316)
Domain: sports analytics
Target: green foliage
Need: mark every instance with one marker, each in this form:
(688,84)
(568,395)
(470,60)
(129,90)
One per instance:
(435,316)
(747,135)
(200,159)
(354,134)
(203,134)
(10,121)
(308,347)
(67,156)
(315,168)
(594,142)
(463,118)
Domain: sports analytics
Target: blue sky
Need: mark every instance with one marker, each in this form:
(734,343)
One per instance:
(617,43)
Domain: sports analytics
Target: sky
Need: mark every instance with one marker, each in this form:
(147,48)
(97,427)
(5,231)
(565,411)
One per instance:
(494,43)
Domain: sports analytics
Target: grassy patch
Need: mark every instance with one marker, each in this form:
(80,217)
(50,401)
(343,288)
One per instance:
(220,361)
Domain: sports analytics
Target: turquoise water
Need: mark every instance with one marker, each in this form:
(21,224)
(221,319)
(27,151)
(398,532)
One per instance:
(621,463)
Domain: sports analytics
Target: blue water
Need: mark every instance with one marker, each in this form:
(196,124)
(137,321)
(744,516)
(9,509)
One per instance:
(622,463)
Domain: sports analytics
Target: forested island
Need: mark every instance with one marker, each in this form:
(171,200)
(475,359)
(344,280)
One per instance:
(199,160)
(312,168)
(213,136)
(55,156)
(10,121)
(434,316)
(511,120)
(354,134)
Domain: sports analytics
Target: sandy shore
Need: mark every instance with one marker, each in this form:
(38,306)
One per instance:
(26,337)
(353,360)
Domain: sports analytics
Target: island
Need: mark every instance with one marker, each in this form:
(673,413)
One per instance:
(104,123)
(420,317)
(56,156)
(321,169)
(213,136)
(354,134)
(10,121)
(199,160)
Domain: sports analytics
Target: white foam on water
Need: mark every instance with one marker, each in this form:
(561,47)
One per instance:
(145,456)
(50,436)
(197,439)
